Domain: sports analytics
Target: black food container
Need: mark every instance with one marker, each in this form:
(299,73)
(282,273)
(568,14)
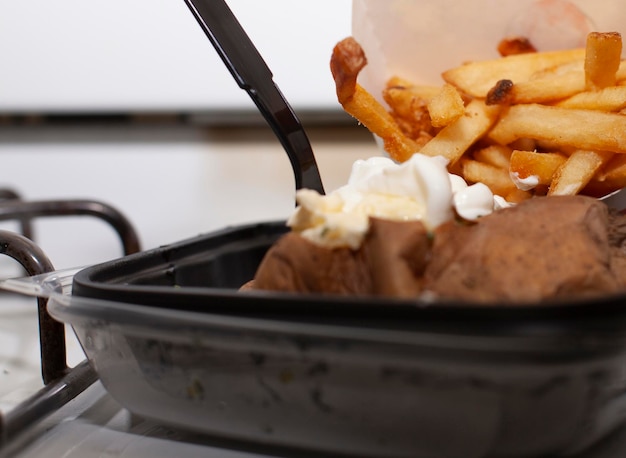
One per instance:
(173,339)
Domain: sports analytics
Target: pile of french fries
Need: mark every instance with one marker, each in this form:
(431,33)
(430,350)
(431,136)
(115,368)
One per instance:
(526,124)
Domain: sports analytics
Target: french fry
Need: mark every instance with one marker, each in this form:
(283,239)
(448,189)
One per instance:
(346,62)
(456,138)
(539,166)
(403,102)
(577,65)
(364,107)
(411,129)
(408,105)
(410,112)
(602,59)
(496,155)
(515,45)
(610,178)
(477,78)
(580,129)
(398,81)
(549,88)
(421,91)
(496,178)
(517,195)
(500,94)
(547,85)
(599,189)
(577,171)
(445,107)
(612,98)
(620,75)
(526,144)
(614,170)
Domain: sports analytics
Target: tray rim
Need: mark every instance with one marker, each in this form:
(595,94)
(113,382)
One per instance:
(608,311)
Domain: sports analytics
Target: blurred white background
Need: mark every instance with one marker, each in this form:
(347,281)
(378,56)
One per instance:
(112,55)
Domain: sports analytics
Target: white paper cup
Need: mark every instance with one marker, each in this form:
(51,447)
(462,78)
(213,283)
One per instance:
(419,39)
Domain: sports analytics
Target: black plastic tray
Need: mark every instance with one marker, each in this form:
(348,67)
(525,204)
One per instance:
(204,274)
(344,374)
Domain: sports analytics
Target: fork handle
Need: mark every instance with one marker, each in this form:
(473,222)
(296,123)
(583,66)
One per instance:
(254,76)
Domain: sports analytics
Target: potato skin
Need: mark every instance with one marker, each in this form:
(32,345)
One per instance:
(546,247)
(390,262)
(542,248)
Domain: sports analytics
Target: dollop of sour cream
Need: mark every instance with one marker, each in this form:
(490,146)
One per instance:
(525,184)
(419,189)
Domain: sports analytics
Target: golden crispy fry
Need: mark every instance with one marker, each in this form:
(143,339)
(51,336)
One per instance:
(424,92)
(612,98)
(610,178)
(538,166)
(614,170)
(525,144)
(515,45)
(346,62)
(477,78)
(602,59)
(496,155)
(445,107)
(421,91)
(501,93)
(403,102)
(364,107)
(410,112)
(398,81)
(620,76)
(596,188)
(517,195)
(577,65)
(456,138)
(413,130)
(549,88)
(577,171)
(497,179)
(547,85)
(580,129)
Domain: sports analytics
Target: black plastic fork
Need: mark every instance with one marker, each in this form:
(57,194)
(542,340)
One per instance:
(254,76)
